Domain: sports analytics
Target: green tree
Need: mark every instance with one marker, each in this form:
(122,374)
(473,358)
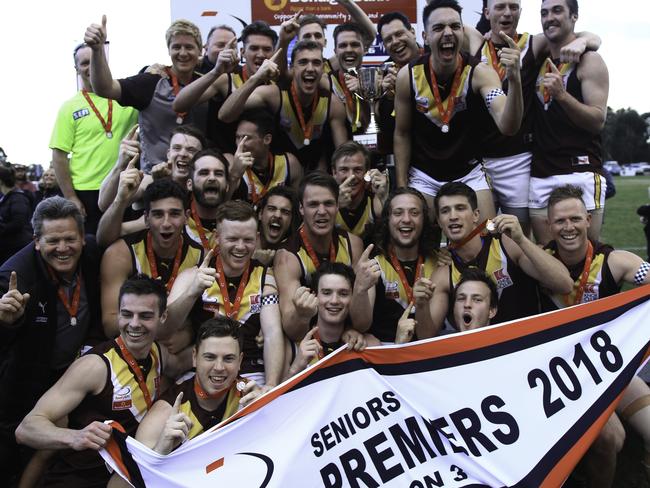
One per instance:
(625,136)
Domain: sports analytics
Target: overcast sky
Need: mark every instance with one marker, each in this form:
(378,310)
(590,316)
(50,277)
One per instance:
(37,39)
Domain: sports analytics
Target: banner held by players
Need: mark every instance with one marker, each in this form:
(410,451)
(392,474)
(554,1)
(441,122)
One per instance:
(509,405)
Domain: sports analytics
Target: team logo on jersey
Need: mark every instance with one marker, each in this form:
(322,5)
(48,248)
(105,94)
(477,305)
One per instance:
(122,398)
(502,279)
(591,293)
(422,104)
(256,303)
(80,113)
(392,290)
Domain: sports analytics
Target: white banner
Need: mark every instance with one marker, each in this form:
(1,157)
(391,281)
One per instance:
(510,405)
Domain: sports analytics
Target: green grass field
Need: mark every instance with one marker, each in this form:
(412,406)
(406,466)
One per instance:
(622,228)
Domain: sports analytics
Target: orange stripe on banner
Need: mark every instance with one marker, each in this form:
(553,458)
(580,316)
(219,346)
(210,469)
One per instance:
(454,344)
(214,465)
(114,450)
(487,337)
(563,468)
(209,13)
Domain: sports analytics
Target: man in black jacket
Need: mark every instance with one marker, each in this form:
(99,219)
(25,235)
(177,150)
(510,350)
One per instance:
(49,309)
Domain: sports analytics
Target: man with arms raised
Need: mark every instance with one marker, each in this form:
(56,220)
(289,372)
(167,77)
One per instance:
(570,112)
(118,380)
(316,241)
(311,27)
(308,116)
(50,308)
(398,38)
(398,276)
(362,191)
(260,169)
(504,253)
(437,101)
(85,141)
(507,159)
(230,283)
(228,76)
(152,94)
(333,283)
(162,252)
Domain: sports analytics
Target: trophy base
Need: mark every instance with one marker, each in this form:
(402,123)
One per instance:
(368,140)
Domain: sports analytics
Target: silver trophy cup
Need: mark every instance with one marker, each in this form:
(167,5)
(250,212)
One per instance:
(370,90)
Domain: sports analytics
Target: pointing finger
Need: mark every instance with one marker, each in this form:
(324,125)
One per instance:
(297,16)
(104,21)
(350,179)
(131,135)
(366,253)
(552,66)
(206,259)
(232,44)
(240,146)
(13,281)
(310,335)
(177,404)
(133,162)
(511,43)
(407,311)
(276,55)
(421,274)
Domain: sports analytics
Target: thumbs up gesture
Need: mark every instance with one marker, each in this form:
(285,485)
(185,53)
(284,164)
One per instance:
(177,428)
(510,57)
(12,303)
(95,36)
(405,326)
(423,288)
(367,271)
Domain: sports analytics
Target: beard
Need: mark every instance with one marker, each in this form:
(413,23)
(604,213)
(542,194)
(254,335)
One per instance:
(209,203)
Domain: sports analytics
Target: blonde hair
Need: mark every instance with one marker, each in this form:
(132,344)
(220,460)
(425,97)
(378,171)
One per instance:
(182,27)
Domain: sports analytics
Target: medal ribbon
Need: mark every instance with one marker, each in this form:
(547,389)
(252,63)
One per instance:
(175,88)
(201,393)
(265,188)
(563,68)
(445,112)
(307,128)
(350,100)
(231,309)
(154,267)
(402,276)
(137,371)
(199,226)
(106,124)
(580,291)
(469,237)
(490,52)
(310,249)
(71,308)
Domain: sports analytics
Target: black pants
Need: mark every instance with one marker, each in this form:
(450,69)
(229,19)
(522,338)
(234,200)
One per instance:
(93,214)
